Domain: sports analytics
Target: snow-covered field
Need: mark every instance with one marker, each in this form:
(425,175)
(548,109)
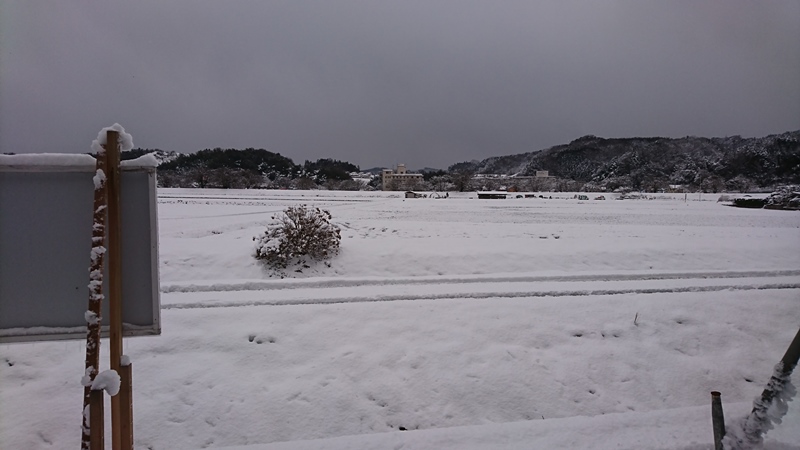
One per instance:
(474,324)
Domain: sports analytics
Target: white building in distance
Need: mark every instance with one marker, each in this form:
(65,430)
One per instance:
(399,179)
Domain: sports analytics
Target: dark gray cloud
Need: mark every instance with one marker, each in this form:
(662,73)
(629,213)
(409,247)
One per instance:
(426,83)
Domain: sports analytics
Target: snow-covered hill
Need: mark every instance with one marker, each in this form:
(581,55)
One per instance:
(713,164)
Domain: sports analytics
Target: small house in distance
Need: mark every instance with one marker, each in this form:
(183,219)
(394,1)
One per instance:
(492,194)
(410,194)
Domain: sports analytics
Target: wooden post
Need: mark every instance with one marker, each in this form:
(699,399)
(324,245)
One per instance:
(717,419)
(114,277)
(96,419)
(126,406)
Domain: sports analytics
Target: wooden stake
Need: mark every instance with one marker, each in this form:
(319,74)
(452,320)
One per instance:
(96,419)
(126,407)
(114,277)
(717,419)
(93,313)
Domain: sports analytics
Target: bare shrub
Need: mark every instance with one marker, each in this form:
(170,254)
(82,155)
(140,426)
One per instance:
(298,236)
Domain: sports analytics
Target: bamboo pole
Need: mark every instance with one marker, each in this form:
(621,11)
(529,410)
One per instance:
(93,313)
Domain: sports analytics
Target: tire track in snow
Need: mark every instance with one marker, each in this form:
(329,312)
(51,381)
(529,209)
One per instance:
(481,295)
(270,211)
(193,199)
(343,283)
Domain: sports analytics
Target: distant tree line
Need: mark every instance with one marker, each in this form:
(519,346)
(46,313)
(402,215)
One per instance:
(250,168)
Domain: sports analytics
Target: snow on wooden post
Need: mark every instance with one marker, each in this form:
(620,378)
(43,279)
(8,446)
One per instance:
(95,299)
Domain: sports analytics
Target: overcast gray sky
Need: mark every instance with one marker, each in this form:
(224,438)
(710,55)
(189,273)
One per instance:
(425,83)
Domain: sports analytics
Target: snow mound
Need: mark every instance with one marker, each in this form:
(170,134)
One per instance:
(108,380)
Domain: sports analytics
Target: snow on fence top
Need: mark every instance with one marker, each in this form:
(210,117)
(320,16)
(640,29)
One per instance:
(148,160)
(67,162)
(49,159)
